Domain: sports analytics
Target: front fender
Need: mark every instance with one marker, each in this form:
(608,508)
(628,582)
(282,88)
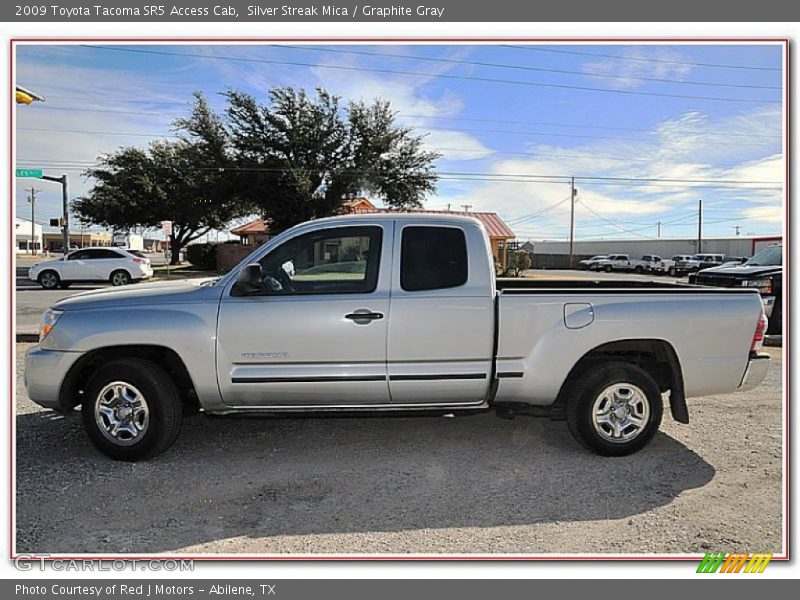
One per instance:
(188,330)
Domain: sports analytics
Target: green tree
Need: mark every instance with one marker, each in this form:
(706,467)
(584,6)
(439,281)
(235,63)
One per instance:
(518,261)
(299,157)
(181,181)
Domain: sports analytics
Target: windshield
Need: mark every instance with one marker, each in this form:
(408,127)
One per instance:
(768,257)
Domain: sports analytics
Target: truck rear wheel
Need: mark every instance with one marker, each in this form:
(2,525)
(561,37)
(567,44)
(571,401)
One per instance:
(614,408)
(131,409)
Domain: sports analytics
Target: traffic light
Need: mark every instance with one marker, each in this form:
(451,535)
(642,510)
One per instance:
(57,222)
(24,96)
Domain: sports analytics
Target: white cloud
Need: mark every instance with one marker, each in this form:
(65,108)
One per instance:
(768,214)
(665,153)
(414,106)
(627,74)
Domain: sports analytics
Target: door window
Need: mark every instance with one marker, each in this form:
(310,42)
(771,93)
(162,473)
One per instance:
(343,260)
(433,258)
(98,254)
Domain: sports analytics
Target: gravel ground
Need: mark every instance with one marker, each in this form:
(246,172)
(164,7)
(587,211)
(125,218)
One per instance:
(474,484)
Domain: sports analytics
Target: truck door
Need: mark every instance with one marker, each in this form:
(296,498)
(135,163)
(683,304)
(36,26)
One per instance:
(316,333)
(442,327)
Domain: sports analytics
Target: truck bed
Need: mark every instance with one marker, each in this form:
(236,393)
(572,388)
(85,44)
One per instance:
(523,285)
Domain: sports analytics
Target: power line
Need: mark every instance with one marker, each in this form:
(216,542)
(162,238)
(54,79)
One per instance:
(547,178)
(641,58)
(602,218)
(465,129)
(577,125)
(434,75)
(573,135)
(466,119)
(532,216)
(521,67)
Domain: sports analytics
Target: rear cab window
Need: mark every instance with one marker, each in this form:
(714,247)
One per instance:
(432,258)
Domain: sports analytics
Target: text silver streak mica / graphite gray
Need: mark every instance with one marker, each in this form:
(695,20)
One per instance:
(391,312)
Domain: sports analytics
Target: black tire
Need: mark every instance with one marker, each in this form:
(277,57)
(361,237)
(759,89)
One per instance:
(65,285)
(588,387)
(607,268)
(639,269)
(672,272)
(162,400)
(120,277)
(49,280)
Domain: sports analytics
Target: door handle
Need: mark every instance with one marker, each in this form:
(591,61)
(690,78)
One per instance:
(363,316)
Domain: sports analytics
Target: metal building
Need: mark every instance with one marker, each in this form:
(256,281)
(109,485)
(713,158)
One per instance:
(554,254)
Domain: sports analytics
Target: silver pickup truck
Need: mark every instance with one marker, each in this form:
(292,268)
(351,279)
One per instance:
(387,313)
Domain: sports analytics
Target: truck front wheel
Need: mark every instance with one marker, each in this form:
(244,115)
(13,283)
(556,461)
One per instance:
(131,409)
(614,408)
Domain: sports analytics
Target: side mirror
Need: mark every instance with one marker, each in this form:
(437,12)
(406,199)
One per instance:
(248,281)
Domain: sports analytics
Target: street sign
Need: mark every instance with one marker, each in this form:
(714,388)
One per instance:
(34,173)
(166,227)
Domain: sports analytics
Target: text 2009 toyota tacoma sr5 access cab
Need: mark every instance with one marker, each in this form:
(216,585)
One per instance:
(391,313)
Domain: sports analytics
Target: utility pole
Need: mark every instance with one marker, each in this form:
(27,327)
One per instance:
(65,206)
(573,194)
(737,228)
(466,207)
(699,226)
(32,201)
(658,229)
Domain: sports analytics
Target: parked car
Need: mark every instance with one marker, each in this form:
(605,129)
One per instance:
(764,272)
(699,262)
(425,327)
(648,263)
(590,264)
(675,265)
(115,265)
(615,262)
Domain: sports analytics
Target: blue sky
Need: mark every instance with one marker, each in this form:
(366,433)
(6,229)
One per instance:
(646,129)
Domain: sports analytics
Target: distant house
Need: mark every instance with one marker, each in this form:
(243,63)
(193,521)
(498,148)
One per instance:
(358,205)
(254,233)
(54,239)
(257,232)
(22,238)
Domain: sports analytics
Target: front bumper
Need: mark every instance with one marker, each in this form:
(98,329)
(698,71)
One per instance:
(45,371)
(756,370)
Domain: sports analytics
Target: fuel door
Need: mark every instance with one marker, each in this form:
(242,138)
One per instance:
(578,315)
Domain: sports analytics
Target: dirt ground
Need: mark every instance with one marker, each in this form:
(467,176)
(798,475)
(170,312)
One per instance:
(433,485)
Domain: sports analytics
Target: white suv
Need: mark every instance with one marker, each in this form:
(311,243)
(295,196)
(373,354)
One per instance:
(115,265)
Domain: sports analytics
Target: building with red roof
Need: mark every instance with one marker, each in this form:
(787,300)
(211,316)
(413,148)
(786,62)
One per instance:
(256,232)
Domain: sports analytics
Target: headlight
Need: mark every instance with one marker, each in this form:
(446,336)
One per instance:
(764,285)
(49,320)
